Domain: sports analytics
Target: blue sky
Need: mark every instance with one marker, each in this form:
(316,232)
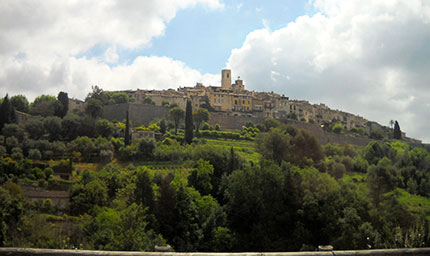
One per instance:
(204,38)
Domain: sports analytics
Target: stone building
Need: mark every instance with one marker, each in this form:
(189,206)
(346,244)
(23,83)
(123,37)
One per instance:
(235,100)
(228,97)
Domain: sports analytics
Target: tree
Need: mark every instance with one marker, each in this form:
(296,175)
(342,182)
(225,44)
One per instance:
(94,108)
(162,125)
(63,98)
(14,130)
(98,94)
(200,115)
(34,127)
(337,128)
(120,97)
(391,123)
(305,149)
(200,177)
(127,131)
(105,128)
(70,126)
(381,179)
(148,101)
(7,113)
(146,148)
(165,103)
(273,145)
(44,105)
(52,125)
(271,122)
(189,123)
(176,114)
(20,103)
(397,133)
(256,206)
(143,193)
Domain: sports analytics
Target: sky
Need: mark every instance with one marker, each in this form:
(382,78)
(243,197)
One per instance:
(370,58)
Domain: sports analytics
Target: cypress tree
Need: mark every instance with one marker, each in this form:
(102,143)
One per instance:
(188,123)
(397,133)
(127,131)
(163,126)
(7,112)
(63,98)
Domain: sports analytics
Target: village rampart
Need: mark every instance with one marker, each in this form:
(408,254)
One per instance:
(144,114)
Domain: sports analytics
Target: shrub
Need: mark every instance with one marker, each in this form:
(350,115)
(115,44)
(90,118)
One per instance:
(106,156)
(34,154)
(17,156)
(206,126)
(337,128)
(48,172)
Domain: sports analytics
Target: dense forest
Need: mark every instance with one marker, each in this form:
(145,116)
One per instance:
(267,187)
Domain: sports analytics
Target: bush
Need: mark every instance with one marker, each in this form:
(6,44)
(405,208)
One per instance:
(48,172)
(206,126)
(337,128)
(377,135)
(249,124)
(360,165)
(48,155)
(17,156)
(358,131)
(172,152)
(106,156)
(3,151)
(270,123)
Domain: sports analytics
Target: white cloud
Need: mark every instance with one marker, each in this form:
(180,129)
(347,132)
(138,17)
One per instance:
(366,57)
(111,55)
(40,41)
(76,76)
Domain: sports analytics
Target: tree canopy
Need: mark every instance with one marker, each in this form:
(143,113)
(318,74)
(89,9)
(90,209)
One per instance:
(177,114)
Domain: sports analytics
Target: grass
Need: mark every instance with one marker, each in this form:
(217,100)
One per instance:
(415,203)
(355,177)
(244,148)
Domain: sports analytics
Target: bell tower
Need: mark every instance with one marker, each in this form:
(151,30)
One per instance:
(226,79)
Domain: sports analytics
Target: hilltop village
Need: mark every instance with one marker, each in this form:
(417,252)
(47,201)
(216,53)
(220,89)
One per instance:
(235,99)
(232,99)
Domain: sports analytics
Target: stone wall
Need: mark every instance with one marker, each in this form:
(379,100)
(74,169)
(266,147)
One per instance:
(59,198)
(143,114)
(325,137)
(232,122)
(138,113)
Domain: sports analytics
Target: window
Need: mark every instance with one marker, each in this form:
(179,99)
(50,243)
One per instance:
(227,75)
(235,102)
(215,100)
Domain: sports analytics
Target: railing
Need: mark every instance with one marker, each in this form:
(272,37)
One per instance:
(54,252)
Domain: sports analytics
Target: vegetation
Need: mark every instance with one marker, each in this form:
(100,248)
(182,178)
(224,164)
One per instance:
(266,187)
(177,114)
(189,125)
(397,134)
